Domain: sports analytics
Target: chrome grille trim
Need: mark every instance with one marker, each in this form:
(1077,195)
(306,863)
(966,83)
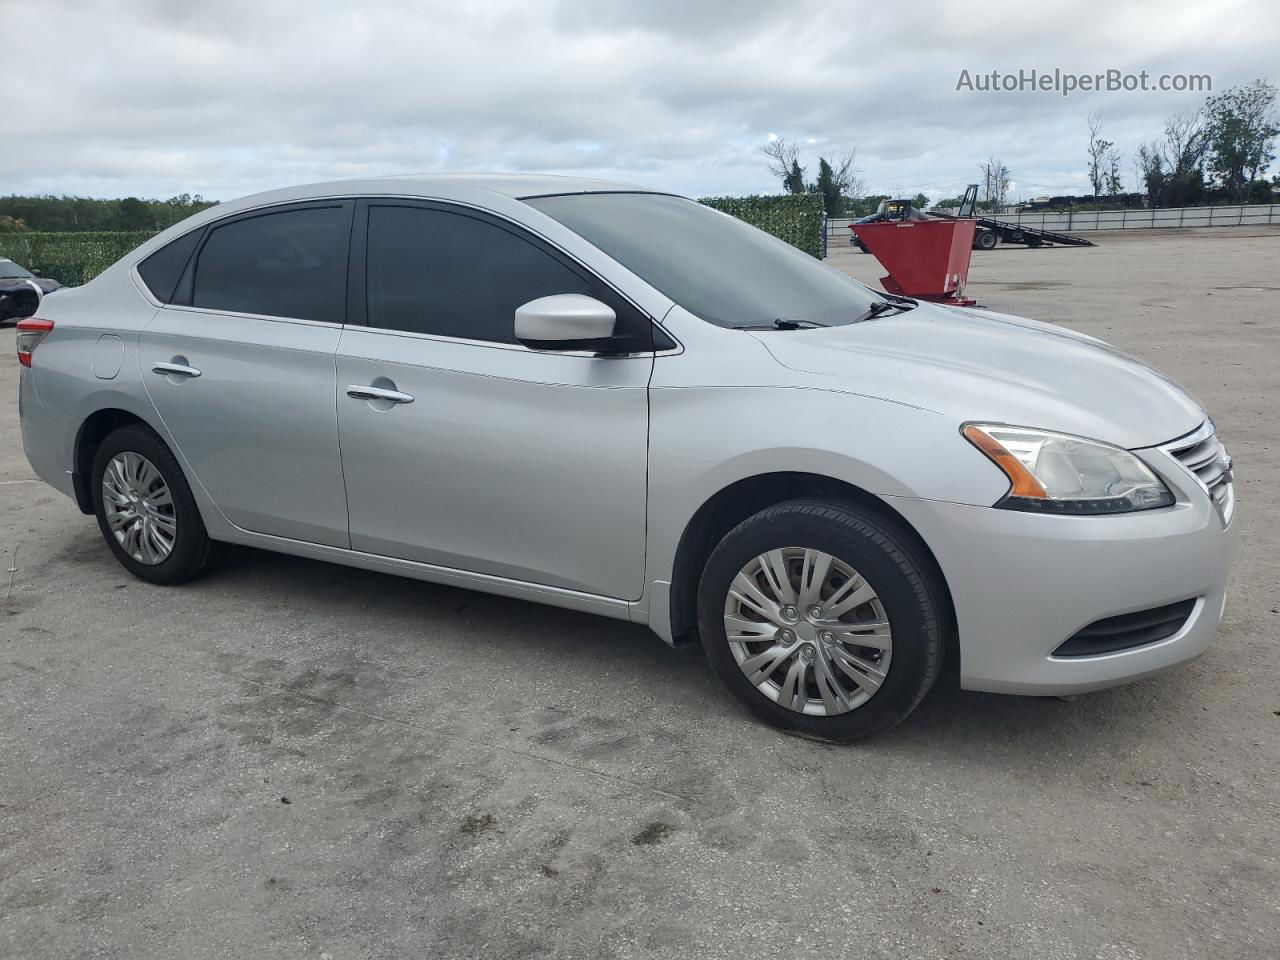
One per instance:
(1202,454)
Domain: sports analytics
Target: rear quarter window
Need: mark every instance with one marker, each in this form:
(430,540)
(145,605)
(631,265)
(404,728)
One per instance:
(162,270)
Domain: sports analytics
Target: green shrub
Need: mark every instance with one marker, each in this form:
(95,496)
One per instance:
(70,258)
(795,218)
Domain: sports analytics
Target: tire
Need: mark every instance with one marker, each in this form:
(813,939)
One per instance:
(887,561)
(986,241)
(191,550)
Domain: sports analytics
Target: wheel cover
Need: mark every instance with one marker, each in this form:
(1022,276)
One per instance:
(808,631)
(139,508)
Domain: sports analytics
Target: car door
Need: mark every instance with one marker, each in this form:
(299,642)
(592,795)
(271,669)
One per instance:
(489,457)
(240,367)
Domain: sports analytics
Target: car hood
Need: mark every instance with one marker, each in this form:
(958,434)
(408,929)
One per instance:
(976,365)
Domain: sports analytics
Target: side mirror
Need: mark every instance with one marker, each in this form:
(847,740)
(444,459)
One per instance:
(566,321)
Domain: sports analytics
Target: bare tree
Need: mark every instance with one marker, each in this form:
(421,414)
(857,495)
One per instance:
(1139,163)
(1186,141)
(1111,178)
(784,163)
(1099,154)
(1148,170)
(847,176)
(995,183)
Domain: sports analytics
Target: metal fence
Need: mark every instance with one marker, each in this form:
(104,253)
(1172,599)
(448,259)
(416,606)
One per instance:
(1084,220)
(838,227)
(1235,216)
(1244,215)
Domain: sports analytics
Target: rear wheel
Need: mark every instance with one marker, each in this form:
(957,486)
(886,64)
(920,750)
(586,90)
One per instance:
(986,240)
(822,618)
(145,508)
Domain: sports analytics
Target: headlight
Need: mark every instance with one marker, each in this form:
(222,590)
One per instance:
(1059,473)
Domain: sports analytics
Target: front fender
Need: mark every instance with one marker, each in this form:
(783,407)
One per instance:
(704,439)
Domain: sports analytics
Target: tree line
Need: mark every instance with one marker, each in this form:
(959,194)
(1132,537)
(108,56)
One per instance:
(74,214)
(1219,151)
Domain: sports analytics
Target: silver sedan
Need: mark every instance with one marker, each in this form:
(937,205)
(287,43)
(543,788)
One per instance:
(624,402)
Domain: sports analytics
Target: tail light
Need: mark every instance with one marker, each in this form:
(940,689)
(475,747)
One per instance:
(30,332)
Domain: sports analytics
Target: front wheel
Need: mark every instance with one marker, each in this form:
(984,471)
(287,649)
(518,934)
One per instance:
(145,508)
(823,618)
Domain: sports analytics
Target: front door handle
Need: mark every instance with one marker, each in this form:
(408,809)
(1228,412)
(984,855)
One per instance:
(378,393)
(175,370)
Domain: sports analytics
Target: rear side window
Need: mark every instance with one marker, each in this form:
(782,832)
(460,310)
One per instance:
(162,270)
(291,263)
(452,275)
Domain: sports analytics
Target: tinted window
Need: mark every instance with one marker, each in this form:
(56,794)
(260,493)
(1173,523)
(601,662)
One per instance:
(10,269)
(287,264)
(711,264)
(430,271)
(162,270)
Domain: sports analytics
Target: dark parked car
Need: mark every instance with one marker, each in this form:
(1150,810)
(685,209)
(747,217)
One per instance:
(18,297)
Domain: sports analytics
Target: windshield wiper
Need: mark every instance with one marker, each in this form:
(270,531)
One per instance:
(875,310)
(884,306)
(782,323)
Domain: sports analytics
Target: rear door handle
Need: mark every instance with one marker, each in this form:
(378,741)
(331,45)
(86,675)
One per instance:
(175,370)
(378,393)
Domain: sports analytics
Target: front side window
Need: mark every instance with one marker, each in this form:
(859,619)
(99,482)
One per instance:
(290,263)
(713,265)
(453,275)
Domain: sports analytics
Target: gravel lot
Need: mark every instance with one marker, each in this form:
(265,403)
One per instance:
(289,759)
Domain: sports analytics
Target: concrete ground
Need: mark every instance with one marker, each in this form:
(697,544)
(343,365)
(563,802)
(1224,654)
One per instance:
(289,759)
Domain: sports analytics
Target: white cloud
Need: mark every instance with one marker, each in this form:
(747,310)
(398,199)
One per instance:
(224,97)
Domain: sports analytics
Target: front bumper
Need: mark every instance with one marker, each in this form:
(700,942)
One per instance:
(1023,583)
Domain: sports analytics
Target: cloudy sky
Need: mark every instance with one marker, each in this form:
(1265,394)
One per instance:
(227,97)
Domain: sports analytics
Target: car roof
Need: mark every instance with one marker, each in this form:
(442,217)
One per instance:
(517,186)
(466,187)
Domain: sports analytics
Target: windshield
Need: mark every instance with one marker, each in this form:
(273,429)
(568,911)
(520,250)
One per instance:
(10,269)
(713,265)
